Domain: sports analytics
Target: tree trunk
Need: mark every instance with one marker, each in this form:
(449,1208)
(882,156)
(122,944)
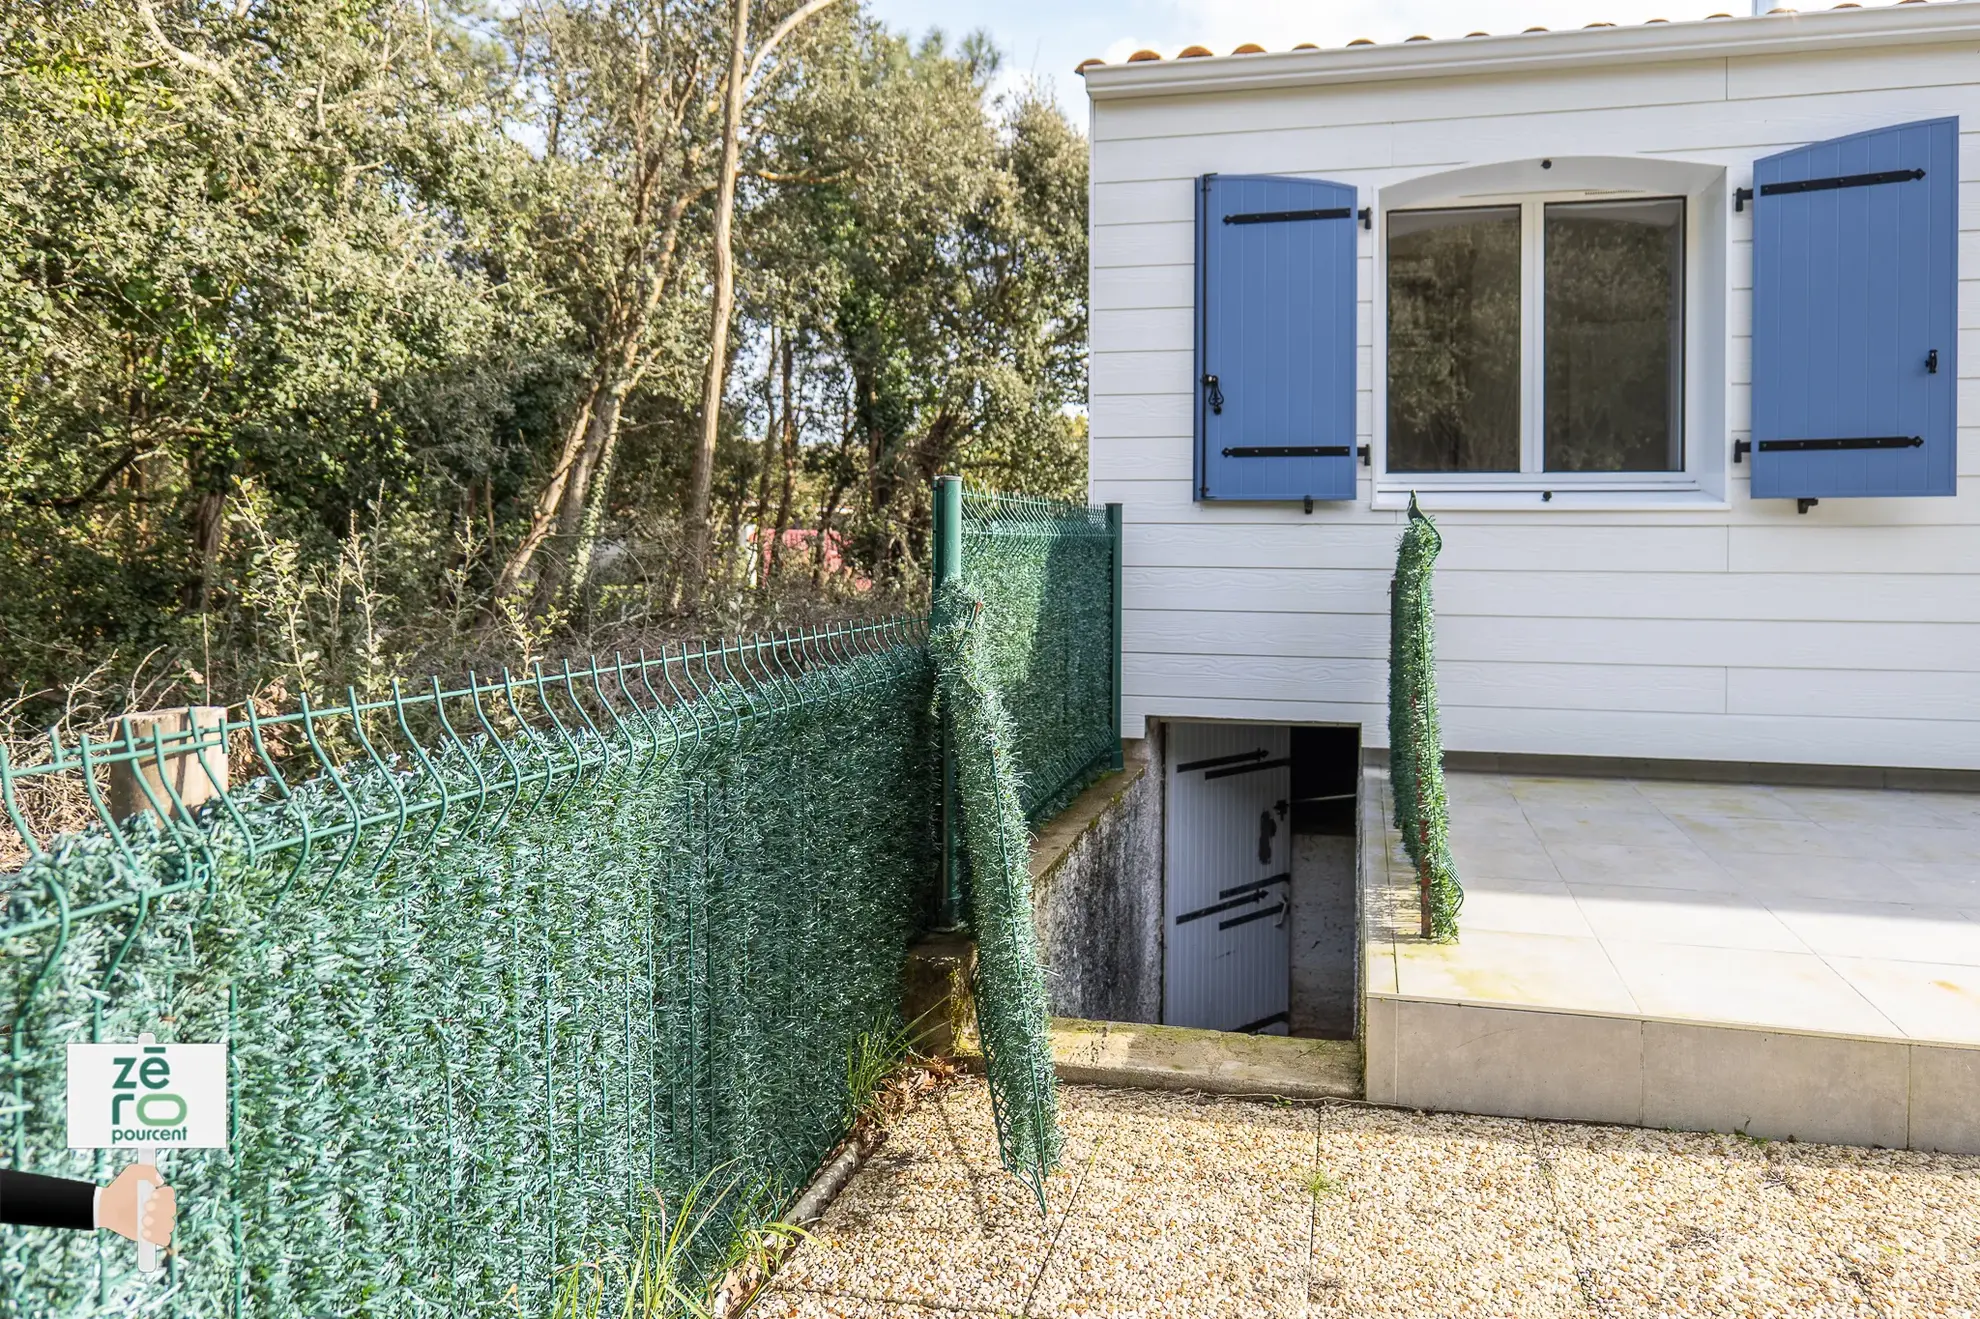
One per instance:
(598,480)
(542,516)
(761,549)
(789,474)
(702,477)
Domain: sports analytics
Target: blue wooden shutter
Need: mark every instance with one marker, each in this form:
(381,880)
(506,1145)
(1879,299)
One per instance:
(1275,301)
(1855,315)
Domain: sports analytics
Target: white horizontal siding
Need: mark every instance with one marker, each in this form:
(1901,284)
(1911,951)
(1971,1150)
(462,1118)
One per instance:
(1748,633)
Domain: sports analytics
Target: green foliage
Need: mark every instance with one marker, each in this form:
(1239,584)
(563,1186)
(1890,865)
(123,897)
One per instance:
(1044,570)
(376,272)
(495,995)
(1010,980)
(1416,748)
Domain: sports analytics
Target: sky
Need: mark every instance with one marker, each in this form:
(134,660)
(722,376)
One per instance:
(1046,38)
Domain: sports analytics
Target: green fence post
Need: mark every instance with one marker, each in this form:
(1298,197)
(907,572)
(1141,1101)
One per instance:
(948,568)
(1114,535)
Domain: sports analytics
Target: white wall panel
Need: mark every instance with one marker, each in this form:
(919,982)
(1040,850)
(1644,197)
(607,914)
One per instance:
(1746,633)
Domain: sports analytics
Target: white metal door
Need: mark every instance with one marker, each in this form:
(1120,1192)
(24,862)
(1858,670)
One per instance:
(1229,877)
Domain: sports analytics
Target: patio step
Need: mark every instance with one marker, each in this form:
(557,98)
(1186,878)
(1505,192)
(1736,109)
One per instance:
(1177,1058)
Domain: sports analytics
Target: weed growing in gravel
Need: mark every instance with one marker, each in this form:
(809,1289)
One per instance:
(1319,1185)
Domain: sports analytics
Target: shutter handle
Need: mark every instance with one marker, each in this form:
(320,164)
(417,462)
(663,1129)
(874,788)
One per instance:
(1932,362)
(1216,395)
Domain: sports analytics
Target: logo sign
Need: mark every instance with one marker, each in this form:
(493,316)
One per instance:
(139,1096)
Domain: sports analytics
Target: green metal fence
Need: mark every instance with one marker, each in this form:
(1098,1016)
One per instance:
(506,966)
(1048,574)
(500,963)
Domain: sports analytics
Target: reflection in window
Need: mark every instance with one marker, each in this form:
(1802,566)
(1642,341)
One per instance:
(1454,365)
(1615,338)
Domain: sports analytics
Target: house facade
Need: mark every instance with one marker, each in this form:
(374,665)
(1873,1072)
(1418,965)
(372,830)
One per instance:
(1664,325)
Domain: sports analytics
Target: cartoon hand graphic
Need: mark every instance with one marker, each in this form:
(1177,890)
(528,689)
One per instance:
(116,1207)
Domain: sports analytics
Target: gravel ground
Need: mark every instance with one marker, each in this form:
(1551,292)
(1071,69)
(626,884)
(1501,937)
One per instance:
(1173,1204)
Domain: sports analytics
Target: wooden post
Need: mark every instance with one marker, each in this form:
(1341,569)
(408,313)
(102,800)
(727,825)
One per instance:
(194,782)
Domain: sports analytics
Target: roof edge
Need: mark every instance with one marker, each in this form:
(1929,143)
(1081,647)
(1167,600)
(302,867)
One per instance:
(1771,34)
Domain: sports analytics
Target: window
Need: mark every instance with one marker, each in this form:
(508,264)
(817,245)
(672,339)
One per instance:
(1543,337)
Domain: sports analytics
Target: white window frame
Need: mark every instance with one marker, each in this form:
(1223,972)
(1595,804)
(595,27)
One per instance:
(1532,185)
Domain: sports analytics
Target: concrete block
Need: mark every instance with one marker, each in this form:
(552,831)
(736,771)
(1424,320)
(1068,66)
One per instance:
(936,997)
(1776,1084)
(1178,1058)
(1378,1047)
(1514,1062)
(1945,1099)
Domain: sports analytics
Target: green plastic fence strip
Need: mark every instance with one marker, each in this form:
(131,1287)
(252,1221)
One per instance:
(1416,751)
(1010,980)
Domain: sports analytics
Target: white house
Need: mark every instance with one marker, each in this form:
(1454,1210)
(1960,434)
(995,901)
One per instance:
(1665,326)
(1620,578)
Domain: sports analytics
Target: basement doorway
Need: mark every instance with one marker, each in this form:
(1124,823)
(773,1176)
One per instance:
(1259,835)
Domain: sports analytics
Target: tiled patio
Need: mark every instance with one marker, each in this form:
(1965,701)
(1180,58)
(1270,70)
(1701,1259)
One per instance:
(1847,914)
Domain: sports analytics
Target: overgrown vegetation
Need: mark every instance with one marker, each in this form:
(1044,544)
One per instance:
(345,338)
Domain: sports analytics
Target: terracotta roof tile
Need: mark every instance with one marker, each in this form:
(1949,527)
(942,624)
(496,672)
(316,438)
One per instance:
(1253,48)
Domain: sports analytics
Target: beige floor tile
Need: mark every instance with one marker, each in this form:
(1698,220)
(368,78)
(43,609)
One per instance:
(1434,1215)
(1670,1224)
(1726,799)
(1580,794)
(1885,930)
(1849,806)
(1746,986)
(1889,843)
(1772,876)
(1487,790)
(1724,835)
(1930,884)
(1682,916)
(1556,825)
(1926,1001)
(1685,866)
(1528,906)
(1907,1225)
(1539,970)
(1479,859)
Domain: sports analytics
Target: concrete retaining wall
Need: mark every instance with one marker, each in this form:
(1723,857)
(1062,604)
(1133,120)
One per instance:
(1096,876)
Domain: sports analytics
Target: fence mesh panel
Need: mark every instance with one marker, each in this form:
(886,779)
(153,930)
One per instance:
(1011,1008)
(1416,748)
(1044,571)
(532,952)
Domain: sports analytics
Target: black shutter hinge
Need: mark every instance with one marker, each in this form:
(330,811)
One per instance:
(1366,459)
(1309,505)
(1741,196)
(1803,505)
(1367,214)
(1932,362)
(1741,448)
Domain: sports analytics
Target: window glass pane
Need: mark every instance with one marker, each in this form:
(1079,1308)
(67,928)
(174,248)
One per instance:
(1615,336)
(1454,340)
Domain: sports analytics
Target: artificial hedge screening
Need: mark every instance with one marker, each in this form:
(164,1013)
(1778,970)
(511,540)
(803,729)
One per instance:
(571,965)
(1044,572)
(1010,981)
(1416,749)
